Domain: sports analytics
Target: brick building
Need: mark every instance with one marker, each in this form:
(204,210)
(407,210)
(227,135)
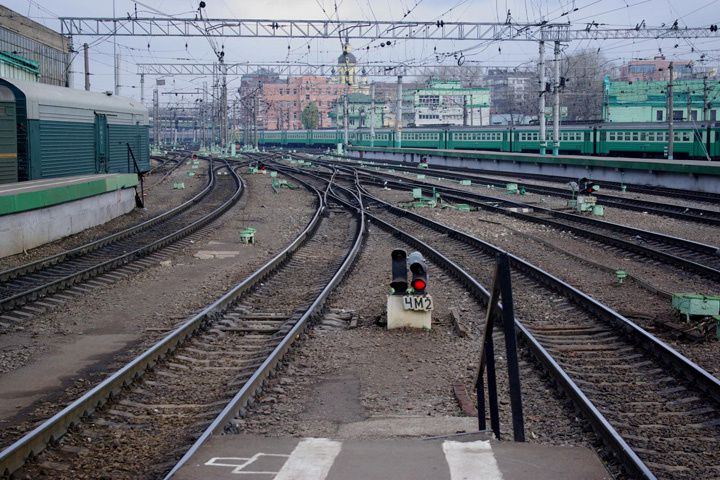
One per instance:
(282,103)
(657,69)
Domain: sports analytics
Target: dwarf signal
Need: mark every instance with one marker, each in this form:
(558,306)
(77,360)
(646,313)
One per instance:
(409,304)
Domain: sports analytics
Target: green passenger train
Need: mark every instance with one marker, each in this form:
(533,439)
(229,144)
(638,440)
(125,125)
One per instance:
(692,140)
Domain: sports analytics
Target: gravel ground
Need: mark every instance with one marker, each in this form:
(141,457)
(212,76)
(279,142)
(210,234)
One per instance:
(159,198)
(338,375)
(576,261)
(698,232)
(615,193)
(84,343)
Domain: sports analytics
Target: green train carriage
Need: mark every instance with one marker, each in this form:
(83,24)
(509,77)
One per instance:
(650,140)
(498,139)
(62,131)
(630,139)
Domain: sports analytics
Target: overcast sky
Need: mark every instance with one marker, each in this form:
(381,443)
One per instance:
(616,13)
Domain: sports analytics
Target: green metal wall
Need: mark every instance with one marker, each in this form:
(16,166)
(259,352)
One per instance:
(137,137)
(8,143)
(65,149)
(60,149)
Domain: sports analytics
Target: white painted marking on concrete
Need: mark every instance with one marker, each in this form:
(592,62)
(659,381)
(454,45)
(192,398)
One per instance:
(311,460)
(239,463)
(471,460)
(47,184)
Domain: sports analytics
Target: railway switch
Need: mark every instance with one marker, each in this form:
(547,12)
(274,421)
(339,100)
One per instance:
(582,199)
(700,312)
(409,304)
(421,201)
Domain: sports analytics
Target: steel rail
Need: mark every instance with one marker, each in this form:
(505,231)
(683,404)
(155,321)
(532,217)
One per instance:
(60,283)
(689,214)
(492,204)
(35,441)
(177,163)
(612,438)
(653,346)
(706,197)
(250,389)
(96,244)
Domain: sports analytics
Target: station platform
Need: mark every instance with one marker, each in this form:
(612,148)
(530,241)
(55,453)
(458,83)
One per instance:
(24,196)
(40,211)
(359,456)
(695,175)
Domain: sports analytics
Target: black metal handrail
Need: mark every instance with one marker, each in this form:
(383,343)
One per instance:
(502,288)
(139,198)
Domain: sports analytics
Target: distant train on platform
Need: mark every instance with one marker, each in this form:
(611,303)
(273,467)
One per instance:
(692,140)
(48,131)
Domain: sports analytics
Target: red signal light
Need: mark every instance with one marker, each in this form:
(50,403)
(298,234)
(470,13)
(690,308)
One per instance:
(419,284)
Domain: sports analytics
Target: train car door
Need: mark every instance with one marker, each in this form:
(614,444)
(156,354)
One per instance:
(102,145)
(8,137)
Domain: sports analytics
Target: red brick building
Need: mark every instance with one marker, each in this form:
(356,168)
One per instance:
(282,103)
(657,69)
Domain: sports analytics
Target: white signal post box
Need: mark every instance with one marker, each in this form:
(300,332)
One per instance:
(409,305)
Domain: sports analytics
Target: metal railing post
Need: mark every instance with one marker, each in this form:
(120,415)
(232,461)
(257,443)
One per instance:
(139,199)
(501,288)
(508,316)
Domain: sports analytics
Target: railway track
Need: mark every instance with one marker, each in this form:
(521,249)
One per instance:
(166,168)
(34,281)
(655,410)
(685,213)
(474,174)
(685,254)
(200,376)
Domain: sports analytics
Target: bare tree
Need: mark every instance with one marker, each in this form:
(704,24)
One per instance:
(582,75)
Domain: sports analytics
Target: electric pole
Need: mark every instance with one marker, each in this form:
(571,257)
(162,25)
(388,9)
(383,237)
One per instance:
(86,54)
(256,106)
(670,114)
(541,108)
(116,58)
(142,88)
(398,114)
(346,133)
(203,114)
(156,117)
(117,74)
(372,114)
(465,112)
(705,99)
(223,102)
(556,106)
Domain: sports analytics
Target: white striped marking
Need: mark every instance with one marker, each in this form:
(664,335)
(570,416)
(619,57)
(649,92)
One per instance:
(311,460)
(471,460)
(50,184)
